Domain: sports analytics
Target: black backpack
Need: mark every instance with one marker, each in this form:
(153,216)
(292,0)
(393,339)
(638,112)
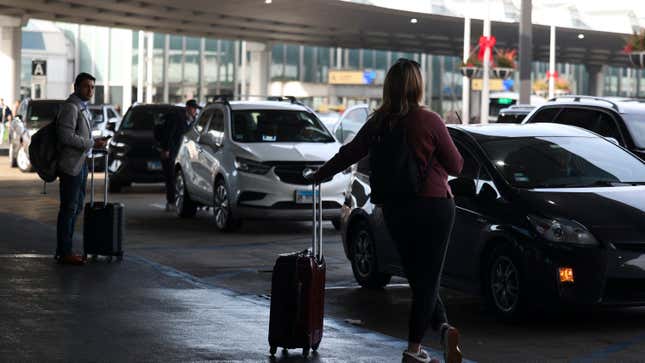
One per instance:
(395,175)
(43,151)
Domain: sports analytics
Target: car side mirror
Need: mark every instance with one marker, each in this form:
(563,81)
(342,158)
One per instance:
(612,139)
(210,140)
(463,187)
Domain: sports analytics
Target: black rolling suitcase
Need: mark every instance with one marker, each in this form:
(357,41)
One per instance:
(298,293)
(104,223)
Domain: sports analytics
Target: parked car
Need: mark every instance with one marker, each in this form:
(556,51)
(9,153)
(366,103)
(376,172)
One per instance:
(246,159)
(350,122)
(500,100)
(545,214)
(620,119)
(329,119)
(514,114)
(133,153)
(105,121)
(30,117)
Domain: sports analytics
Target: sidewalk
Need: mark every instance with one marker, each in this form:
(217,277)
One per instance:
(138,310)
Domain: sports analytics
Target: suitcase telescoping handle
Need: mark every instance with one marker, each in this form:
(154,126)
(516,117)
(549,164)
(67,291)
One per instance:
(316,238)
(96,152)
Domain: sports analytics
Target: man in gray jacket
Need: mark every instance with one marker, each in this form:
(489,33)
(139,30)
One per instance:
(74,144)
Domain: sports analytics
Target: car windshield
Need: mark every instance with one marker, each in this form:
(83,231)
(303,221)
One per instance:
(97,115)
(41,113)
(563,162)
(278,126)
(146,118)
(636,126)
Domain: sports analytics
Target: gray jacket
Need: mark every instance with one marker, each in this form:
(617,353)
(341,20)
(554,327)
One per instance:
(74,136)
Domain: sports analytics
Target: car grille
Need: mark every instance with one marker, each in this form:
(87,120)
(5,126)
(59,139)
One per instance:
(625,290)
(292,172)
(292,205)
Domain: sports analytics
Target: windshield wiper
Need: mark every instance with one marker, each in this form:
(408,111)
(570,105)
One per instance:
(601,183)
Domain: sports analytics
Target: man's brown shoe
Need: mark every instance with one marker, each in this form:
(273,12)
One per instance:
(74,260)
(450,343)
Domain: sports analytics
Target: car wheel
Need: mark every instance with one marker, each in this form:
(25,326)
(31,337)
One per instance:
(224,219)
(364,261)
(12,156)
(114,187)
(22,158)
(184,206)
(504,283)
(336,223)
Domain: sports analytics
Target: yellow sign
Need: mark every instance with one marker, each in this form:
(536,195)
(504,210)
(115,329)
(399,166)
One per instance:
(346,77)
(495,84)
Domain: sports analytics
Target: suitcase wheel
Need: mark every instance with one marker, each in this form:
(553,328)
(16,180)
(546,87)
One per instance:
(305,352)
(273,350)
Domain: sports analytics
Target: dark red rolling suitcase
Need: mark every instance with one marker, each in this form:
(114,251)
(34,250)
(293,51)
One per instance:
(103,223)
(298,293)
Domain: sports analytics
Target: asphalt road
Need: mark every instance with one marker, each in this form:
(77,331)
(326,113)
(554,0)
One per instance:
(242,261)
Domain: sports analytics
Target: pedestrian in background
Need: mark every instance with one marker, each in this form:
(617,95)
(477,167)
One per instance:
(6,118)
(420,226)
(169,136)
(74,142)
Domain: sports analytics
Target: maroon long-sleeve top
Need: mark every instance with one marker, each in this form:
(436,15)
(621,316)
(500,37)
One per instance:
(429,140)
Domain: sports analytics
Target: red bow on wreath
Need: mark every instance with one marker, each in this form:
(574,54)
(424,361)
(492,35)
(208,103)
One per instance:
(554,75)
(484,44)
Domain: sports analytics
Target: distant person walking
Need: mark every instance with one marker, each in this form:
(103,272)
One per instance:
(6,116)
(74,144)
(421,224)
(169,137)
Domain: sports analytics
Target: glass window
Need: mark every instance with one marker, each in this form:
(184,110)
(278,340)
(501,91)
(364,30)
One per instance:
(203,120)
(353,58)
(176,42)
(636,126)
(97,115)
(33,40)
(111,113)
(192,43)
(41,113)
(545,115)
(191,68)
(174,67)
(563,162)
(596,121)
(292,62)
(146,118)
(278,126)
(351,124)
(216,127)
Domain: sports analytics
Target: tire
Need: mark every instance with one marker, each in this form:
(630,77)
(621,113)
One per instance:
(336,223)
(22,159)
(12,156)
(114,187)
(364,261)
(222,214)
(505,284)
(184,206)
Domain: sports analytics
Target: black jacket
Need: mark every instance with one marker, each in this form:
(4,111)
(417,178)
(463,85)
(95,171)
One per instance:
(169,133)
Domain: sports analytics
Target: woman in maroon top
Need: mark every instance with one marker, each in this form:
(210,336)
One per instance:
(420,227)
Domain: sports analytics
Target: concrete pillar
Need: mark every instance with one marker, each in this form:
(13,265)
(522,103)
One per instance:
(260,64)
(596,79)
(166,62)
(526,51)
(10,47)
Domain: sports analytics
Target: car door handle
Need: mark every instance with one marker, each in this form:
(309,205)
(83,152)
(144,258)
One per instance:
(482,220)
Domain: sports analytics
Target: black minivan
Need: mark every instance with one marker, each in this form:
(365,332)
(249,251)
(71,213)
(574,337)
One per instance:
(545,214)
(133,151)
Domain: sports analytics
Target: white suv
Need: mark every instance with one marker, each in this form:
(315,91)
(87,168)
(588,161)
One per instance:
(246,160)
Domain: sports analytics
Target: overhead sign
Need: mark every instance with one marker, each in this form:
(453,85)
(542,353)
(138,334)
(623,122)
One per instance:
(38,67)
(351,77)
(494,84)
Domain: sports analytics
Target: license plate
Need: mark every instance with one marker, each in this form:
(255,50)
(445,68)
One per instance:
(154,165)
(304,196)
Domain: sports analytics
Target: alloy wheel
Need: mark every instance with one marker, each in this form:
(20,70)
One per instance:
(505,284)
(179,192)
(23,160)
(364,254)
(220,206)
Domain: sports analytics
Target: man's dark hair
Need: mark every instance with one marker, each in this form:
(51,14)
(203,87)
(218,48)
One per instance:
(81,77)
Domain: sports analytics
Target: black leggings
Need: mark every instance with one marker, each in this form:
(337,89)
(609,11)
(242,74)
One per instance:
(421,230)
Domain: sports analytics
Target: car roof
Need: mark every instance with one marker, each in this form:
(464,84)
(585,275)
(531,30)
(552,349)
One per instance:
(266,105)
(154,105)
(617,104)
(485,132)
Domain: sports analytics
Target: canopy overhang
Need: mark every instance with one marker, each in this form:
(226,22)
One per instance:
(329,23)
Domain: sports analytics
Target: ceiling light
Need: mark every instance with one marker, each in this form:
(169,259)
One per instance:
(267,1)
(414,20)
(581,36)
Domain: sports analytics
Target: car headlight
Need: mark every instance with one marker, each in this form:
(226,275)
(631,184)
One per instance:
(116,144)
(562,230)
(250,166)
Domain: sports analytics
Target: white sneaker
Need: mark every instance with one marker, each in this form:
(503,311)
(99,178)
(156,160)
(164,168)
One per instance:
(419,357)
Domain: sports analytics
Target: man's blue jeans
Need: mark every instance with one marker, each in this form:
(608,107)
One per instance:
(72,198)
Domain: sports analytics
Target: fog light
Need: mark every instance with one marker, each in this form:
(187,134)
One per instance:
(566,274)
